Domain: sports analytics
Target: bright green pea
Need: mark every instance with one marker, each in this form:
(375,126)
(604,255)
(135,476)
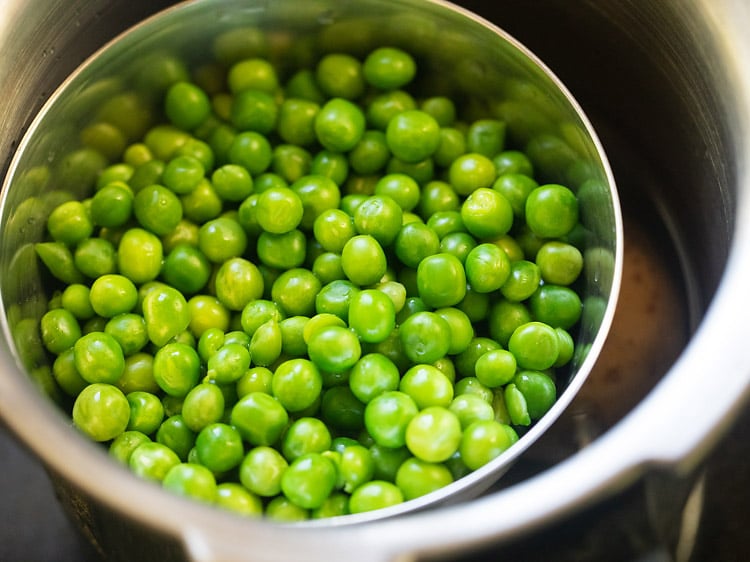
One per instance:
(157,209)
(139,255)
(99,358)
(427,386)
(559,263)
(515,187)
(296,384)
(470,407)
(59,330)
(70,223)
(304,436)
(232,182)
(309,480)
(252,151)
(254,110)
(206,312)
(112,295)
(260,418)
(535,345)
(334,505)
(441,280)
(414,242)
(334,349)
(186,105)
(124,444)
(558,306)
(282,251)
(296,121)
(461,329)
(138,374)
(203,406)
(182,174)
(253,73)
(201,204)
(333,228)
(221,239)
(487,268)
(485,440)
(257,312)
(539,391)
(255,379)
(387,417)
(101,411)
(152,461)
(470,172)
(318,194)
(261,471)
(265,345)
(283,509)
(372,315)
(371,153)
(176,368)
(389,68)
(229,363)
(425,336)
(505,317)
(523,281)
(186,268)
(66,375)
(416,478)
(112,205)
(219,447)
(466,360)
(340,75)
(363,260)
(567,347)
(486,213)
(166,313)
(295,291)
(513,162)
(486,137)
(237,499)
(413,135)
(433,434)
(177,435)
(339,125)
(551,211)
(291,162)
(373,495)
(95,257)
(451,147)
(146,412)
(238,281)
(191,480)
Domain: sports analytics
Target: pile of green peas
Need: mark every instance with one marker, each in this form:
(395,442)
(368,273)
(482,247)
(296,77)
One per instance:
(312,293)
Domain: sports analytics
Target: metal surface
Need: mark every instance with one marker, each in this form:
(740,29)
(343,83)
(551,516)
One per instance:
(657,85)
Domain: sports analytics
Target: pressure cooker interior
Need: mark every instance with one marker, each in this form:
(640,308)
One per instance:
(645,77)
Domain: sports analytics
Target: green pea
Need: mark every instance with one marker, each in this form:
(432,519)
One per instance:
(485,440)
(206,312)
(124,444)
(551,211)
(175,434)
(371,154)
(339,125)
(266,342)
(295,291)
(152,461)
(376,494)
(487,268)
(487,214)
(101,411)
(59,330)
(238,281)
(252,73)
(254,110)
(259,418)
(58,259)
(66,375)
(470,172)
(252,151)
(182,174)
(186,105)
(146,412)
(523,281)
(441,280)
(261,471)
(372,315)
(334,349)
(112,205)
(495,367)
(333,165)
(558,306)
(363,260)
(232,182)
(113,294)
(427,386)
(387,417)
(237,499)
(296,121)
(389,68)
(282,251)
(416,478)
(340,75)
(291,162)
(433,434)
(201,204)
(470,408)
(203,406)
(99,358)
(139,255)
(191,480)
(219,447)
(221,239)
(70,223)
(166,313)
(95,257)
(176,368)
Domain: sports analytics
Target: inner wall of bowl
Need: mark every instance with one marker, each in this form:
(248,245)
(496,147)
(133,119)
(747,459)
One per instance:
(457,57)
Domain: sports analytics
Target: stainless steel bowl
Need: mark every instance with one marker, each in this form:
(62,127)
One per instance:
(646,76)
